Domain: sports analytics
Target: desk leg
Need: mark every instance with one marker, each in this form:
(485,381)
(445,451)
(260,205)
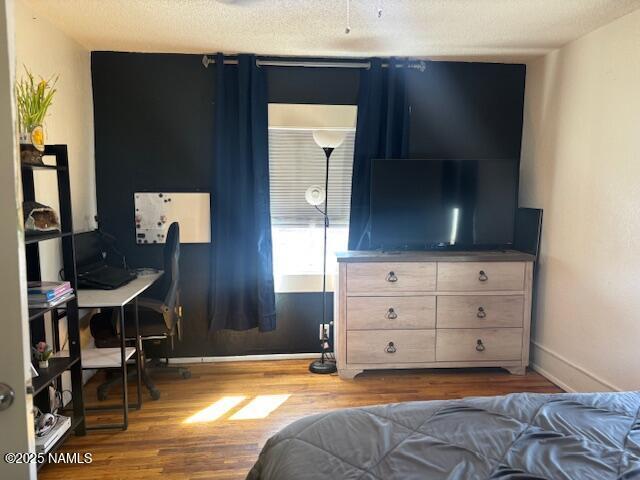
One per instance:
(123,366)
(139,358)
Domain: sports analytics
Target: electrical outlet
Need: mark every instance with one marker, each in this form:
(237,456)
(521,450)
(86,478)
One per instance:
(324,330)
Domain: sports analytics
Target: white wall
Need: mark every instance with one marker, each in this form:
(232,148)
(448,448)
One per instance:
(46,51)
(16,423)
(581,163)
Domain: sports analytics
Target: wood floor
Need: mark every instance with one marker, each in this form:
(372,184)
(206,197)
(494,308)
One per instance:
(160,443)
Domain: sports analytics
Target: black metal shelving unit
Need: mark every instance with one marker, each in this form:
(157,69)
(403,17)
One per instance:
(67,309)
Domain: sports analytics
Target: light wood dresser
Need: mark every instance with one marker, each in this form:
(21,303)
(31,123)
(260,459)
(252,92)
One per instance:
(433,310)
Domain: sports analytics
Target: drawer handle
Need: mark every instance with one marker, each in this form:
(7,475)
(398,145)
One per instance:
(480,346)
(482,276)
(391,314)
(391,277)
(391,348)
(481,313)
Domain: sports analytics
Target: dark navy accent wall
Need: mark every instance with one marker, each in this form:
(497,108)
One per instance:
(153,131)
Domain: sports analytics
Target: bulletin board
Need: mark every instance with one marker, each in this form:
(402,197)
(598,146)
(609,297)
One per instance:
(155,211)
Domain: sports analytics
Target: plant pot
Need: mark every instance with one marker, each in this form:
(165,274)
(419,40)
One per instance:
(43,363)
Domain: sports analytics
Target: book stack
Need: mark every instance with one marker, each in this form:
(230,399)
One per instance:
(48,294)
(48,440)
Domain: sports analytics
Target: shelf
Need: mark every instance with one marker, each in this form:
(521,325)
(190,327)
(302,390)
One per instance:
(74,424)
(25,166)
(57,366)
(38,312)
(98,358)
(40,237)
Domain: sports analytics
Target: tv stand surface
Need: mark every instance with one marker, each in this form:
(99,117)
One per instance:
(433,309)
(355,256)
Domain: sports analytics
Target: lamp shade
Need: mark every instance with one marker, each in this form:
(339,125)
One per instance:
(329,138)
(315,195)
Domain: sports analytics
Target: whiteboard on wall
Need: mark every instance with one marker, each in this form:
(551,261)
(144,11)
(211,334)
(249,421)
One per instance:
(155,211)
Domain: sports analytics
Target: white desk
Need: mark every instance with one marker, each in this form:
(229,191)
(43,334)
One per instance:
(118,298)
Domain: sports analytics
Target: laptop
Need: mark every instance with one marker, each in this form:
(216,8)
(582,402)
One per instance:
(93,269)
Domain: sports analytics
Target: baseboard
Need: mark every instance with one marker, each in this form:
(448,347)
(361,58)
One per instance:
(551,365)
(551,377)
(566,374)
(246,358)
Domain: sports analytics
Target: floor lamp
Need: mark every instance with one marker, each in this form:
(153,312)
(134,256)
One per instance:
(328,140)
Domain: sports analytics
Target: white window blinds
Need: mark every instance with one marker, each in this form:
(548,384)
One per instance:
(295,163)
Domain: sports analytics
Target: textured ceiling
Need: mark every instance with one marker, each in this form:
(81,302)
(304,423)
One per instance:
(419,28)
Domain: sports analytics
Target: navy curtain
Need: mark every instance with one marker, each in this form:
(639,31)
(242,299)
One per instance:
(242,272)
(382,131)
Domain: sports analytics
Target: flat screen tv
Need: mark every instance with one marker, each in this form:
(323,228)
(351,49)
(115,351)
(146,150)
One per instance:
(443,204)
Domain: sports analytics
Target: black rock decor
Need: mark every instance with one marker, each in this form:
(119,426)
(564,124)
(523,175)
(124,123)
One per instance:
(32,147)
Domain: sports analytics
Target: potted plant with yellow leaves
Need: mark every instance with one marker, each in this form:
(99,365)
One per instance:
(34,99)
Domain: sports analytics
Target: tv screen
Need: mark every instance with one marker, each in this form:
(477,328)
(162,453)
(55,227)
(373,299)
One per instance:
(450,204)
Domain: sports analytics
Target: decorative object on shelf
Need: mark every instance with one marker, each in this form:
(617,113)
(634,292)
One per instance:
(328,140)
(44,422)
(55,428)
(34,100)
(42,353)
(39,218)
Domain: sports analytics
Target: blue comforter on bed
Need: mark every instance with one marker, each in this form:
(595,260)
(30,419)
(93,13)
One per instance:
(519,436)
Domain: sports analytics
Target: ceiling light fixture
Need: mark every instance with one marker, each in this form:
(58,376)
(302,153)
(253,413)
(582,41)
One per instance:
(379,9)
(347,29)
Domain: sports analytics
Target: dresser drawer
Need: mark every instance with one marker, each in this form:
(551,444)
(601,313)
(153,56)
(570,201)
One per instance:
(391,277)
(490,344)
(391,313)
(480,311)
(479,276)
(391,346)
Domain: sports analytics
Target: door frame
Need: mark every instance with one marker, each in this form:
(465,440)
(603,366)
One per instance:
(16,422)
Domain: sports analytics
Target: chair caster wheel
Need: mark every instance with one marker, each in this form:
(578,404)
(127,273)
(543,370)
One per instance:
(185,374)
(102,394)
(155,394)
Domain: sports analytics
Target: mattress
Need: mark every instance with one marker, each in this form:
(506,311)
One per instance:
(518,436)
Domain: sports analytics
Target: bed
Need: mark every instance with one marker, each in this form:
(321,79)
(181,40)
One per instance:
(518,436)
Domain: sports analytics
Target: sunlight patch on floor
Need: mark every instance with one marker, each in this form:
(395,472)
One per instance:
(216,409)
(260,407)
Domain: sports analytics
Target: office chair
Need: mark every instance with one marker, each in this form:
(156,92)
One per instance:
(160,317)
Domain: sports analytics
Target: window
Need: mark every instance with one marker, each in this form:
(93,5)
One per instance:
(296,162)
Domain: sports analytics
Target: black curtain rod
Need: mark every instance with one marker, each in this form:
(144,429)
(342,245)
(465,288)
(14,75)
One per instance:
(419,65)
